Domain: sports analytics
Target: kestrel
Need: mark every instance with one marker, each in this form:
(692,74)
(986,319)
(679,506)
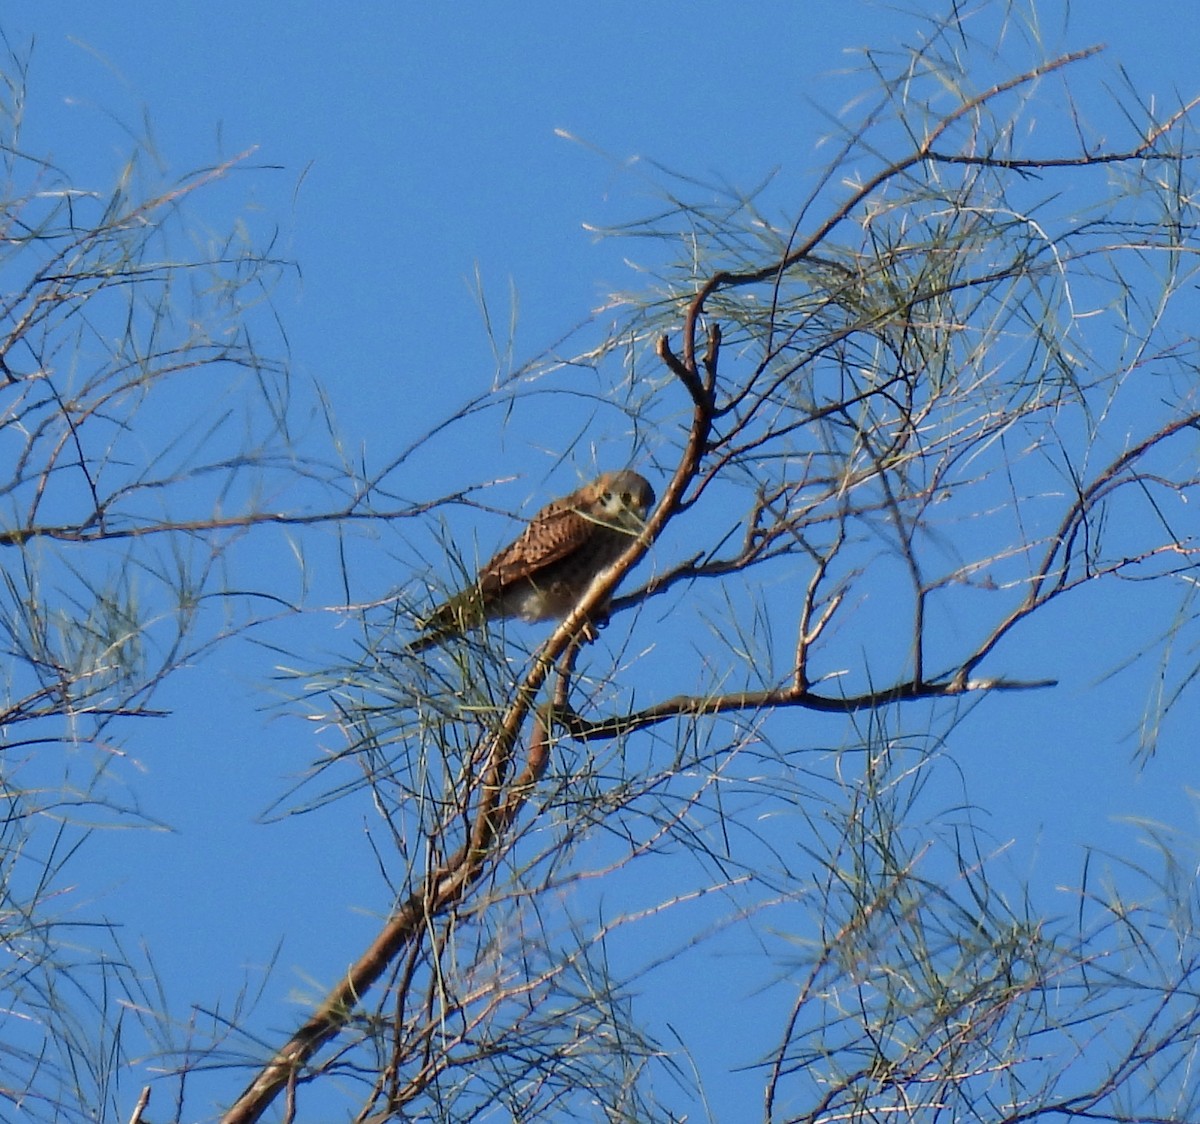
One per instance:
(544,573)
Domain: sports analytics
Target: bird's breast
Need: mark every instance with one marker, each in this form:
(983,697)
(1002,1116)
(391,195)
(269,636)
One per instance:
(555,591)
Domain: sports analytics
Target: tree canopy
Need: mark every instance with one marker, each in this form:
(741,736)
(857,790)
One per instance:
(909,431)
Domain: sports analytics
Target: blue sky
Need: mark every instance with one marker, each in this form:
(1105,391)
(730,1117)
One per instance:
(401,150)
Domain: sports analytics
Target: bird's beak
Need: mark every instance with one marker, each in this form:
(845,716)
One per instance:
(632,522)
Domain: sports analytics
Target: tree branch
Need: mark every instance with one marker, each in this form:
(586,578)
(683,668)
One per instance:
(784,697)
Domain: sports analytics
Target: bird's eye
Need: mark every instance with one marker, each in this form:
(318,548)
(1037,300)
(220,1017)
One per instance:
(627,498)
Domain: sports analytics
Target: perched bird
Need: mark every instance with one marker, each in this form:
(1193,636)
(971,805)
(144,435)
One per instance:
(544,573)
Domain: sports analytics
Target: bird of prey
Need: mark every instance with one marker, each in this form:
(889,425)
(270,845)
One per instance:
(543,574)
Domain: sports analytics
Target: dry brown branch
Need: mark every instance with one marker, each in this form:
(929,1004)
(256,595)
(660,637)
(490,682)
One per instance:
(757,702)
(140,1107)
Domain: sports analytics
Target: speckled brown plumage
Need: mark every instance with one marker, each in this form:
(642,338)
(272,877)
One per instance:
(548,568)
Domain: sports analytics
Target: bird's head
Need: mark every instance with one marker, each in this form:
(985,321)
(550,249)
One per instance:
(622,499)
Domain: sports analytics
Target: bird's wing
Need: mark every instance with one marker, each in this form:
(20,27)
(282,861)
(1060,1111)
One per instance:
(557,531)
(552,535)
